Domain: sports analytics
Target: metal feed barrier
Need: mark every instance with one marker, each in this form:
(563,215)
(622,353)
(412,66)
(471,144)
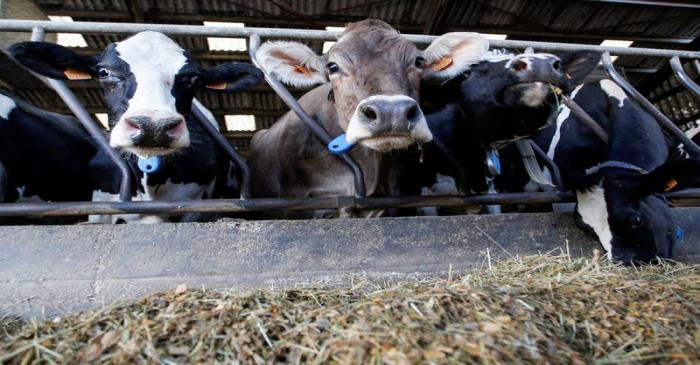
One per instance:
(343,203)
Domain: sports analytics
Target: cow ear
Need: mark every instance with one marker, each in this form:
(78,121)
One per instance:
(674,175)
(576,65)
(232,76)
(585,182)
(292,63)
(53,61)
(453,53)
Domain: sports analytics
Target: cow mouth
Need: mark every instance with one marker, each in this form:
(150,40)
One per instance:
(387,142)
(145,152)
(532,94)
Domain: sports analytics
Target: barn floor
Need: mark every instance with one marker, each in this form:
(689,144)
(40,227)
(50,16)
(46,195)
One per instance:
(532,309)
(51,270)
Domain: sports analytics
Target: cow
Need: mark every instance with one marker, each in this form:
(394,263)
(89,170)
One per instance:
(501,98)
(619,186)
(149,83)
(369,90)
(44,157)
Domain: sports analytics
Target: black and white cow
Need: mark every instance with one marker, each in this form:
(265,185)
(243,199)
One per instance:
(149,83)
(619,186)
(502,98)
(43,156)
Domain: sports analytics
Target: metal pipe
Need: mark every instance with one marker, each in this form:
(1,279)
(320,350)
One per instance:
(18,25)
(551,166)
(88,123)
(293,104)
(226,146)
(586,119)
(59,209)
(665,123)
(682,77)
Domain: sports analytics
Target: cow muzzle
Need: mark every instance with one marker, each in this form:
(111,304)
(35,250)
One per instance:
(151,134)
(387,122)
(535,74)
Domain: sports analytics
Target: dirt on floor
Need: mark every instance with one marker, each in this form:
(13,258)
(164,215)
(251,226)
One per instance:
(536,309)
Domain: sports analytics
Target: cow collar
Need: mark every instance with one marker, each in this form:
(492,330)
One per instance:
(617,165)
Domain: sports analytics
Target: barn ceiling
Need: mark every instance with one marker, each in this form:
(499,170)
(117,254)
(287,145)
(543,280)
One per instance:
(671,25)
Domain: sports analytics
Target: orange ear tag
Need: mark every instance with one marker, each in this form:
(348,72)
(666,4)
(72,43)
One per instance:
(441,64)
(218,86)
(670,184)
(73,74)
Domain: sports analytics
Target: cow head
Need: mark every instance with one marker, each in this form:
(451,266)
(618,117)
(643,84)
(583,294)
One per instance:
(627,212)
(508,96)
(149,82)
(375,75)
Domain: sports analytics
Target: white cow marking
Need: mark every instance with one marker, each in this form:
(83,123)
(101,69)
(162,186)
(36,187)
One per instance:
(6,106)
(613,90)
(561,118)
(593,209)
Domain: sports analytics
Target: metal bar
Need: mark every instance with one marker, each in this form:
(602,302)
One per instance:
(305,34)
(551,166)
(586,119)
(88,123)
(254,205)
(671,4)
(301,113)
(226,146)
(665,123)
(682,77)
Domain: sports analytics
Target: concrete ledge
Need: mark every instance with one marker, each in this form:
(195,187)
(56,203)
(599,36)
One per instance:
(48,270)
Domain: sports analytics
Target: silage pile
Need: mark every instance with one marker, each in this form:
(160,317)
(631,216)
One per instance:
(539,309)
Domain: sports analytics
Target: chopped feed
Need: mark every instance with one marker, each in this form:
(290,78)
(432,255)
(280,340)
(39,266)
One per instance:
(538,309)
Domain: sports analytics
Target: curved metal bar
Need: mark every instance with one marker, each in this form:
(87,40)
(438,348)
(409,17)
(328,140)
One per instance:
(551,166)
(225,145)
(665,123)
(89,124)
(461,174)
(20,25)
(682,77)
(586,119)
(293,104)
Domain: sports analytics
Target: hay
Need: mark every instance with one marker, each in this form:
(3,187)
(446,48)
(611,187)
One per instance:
(540,309)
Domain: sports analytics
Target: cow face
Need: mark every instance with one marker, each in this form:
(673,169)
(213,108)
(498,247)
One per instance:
(510,96)
(148,82)
(374,75)
(627,212)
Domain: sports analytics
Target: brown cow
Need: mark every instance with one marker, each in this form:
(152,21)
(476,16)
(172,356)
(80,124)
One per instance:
(369,89)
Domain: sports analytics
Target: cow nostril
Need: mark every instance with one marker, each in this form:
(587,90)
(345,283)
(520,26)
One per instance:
(556,65)
(132,125)
(369,113)
(519,65)
(412,113)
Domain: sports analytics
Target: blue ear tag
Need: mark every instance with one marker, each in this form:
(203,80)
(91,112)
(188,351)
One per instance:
(493,162)
(339,145)
(150,165)
(679,233)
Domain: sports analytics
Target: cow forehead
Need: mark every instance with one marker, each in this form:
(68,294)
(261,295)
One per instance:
(151,53)
(375,44)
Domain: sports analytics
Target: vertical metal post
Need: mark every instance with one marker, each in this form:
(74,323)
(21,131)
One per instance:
(665,123)
(682,77)
(88,123)
(238,161)
(310,122)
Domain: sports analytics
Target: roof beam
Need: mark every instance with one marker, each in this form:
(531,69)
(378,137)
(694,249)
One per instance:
(670,4)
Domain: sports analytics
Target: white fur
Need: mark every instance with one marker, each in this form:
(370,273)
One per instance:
(164,192)
(6,106)
(613,90)
(268,56)
(534,96)
(154,59)
(466,49)
(358,130)
(593,209)
(561,118)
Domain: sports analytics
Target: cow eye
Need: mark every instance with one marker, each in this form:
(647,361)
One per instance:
(103,73)
(420,62)
(332,67)
(635,221)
